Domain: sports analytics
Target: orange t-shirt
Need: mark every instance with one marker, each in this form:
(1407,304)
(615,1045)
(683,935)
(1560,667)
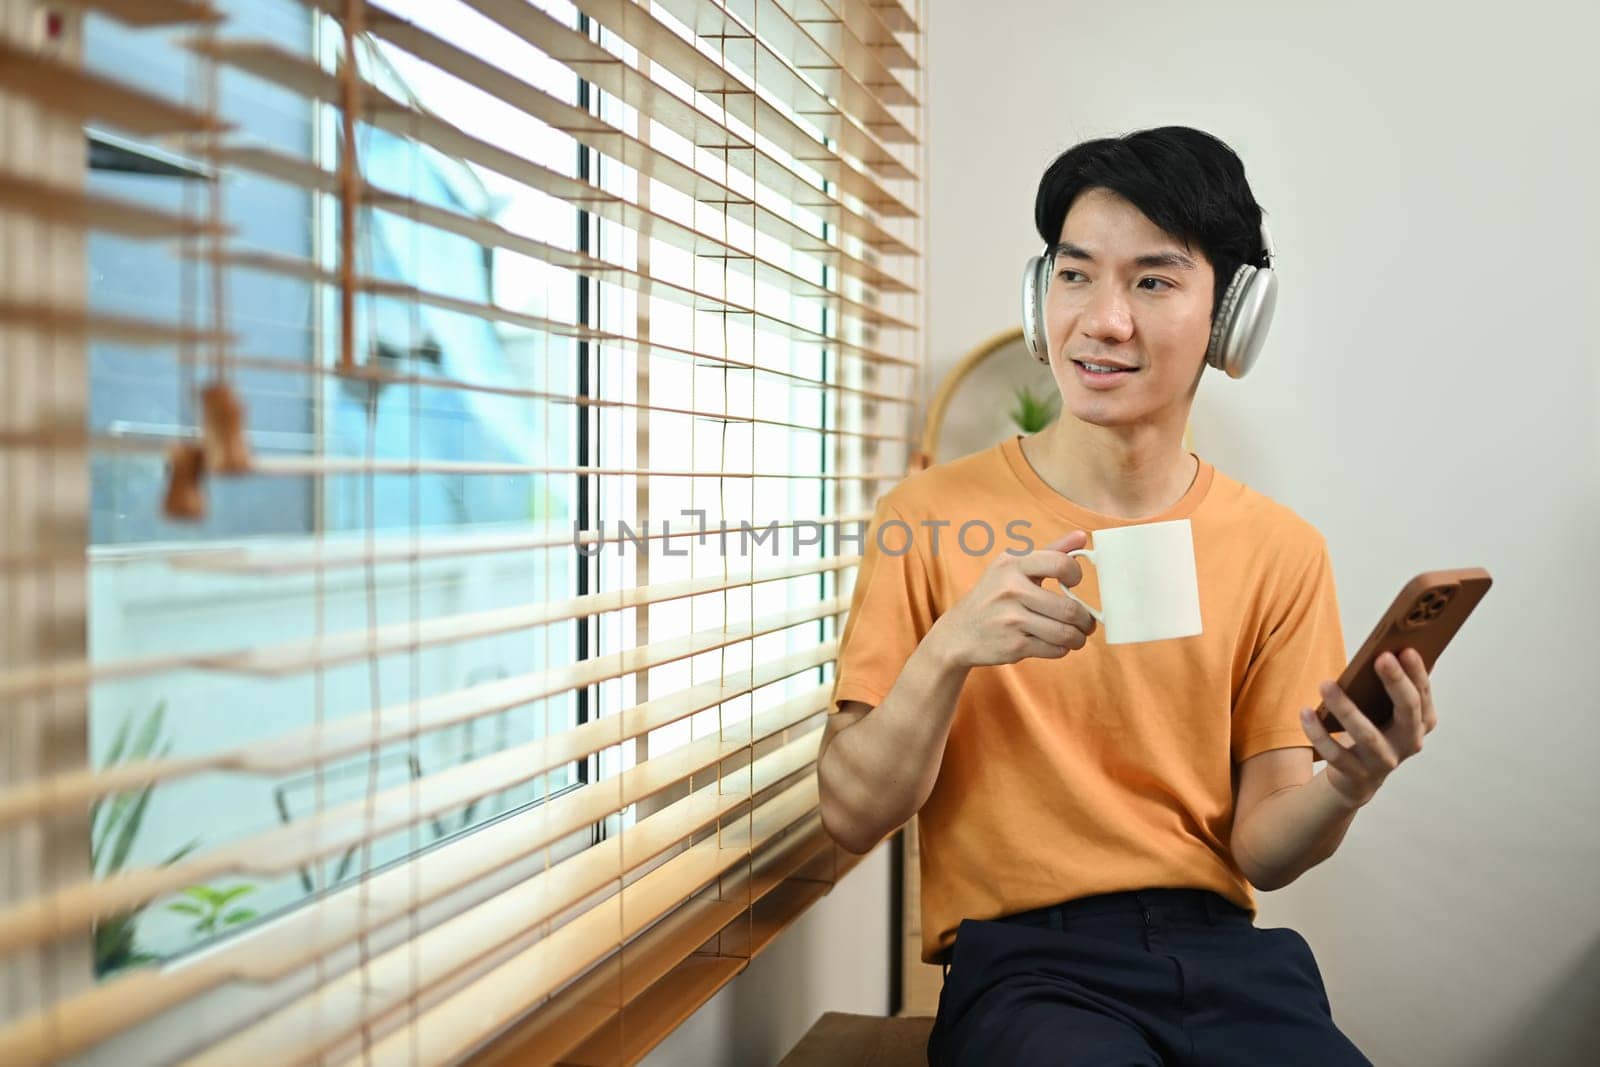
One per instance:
(1112,768)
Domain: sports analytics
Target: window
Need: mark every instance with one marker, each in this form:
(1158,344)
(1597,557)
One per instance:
(484,693)
(152,596)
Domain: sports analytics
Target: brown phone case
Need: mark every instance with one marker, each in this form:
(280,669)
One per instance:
(1425,616)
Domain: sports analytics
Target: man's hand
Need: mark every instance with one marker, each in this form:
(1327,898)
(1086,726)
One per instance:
(1008,615)
(1358,766)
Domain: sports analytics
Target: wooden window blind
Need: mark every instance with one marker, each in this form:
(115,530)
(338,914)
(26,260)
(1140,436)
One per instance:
(436,444)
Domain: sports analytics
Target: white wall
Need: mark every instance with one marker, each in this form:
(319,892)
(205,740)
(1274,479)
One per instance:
(1430,397)
(835,958)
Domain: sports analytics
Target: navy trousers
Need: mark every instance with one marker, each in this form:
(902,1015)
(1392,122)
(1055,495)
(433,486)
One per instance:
(1158,976)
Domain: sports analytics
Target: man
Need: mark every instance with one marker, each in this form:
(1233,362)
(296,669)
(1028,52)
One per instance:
(1093,817)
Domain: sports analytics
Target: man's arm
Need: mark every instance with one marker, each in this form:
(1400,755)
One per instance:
(1285,820)
(876,766)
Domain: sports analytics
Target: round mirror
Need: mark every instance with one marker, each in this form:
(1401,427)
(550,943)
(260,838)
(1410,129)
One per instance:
(977,404)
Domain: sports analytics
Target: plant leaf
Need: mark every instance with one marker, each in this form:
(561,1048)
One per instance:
(1033,411)
(114,946)
(151,732)
(239,915)
(222,897)
(183,907)
(128,831)
(101,835)
(182,852)
(122,821)
(114,753)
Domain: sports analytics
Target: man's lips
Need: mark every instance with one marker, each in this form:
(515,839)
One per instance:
(1091,379)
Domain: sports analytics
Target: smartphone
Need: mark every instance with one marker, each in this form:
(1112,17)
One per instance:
(1425,616)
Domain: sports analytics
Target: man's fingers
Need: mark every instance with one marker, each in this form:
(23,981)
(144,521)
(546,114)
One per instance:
(1331,751)
(1070,541)
(1037,649)
(1049,563)
(1057,606)
(1051,632)
(1417,671)
(1370,746)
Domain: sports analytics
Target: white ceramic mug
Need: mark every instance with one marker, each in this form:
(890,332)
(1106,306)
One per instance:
(1148,587)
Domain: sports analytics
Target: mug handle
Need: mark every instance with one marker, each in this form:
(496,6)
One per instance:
(1088,554)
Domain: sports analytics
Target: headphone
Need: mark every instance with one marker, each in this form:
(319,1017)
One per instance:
(1237,332)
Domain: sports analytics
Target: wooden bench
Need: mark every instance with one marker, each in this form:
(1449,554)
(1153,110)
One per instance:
(841,1040)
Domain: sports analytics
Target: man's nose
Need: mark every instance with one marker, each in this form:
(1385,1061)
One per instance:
(1106,315)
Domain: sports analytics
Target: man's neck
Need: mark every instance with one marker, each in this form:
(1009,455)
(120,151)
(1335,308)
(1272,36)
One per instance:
(1128,473)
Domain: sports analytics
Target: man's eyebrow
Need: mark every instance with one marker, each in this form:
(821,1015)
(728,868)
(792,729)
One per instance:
(1175,260)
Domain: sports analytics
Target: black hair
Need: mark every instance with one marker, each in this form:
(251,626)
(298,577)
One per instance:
(1185,181)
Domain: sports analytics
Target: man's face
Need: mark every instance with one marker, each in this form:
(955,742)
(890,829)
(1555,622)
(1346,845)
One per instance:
(1124,292)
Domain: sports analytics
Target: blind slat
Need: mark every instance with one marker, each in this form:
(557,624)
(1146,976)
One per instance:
(591,1001)
(126,440)
(145,13)
(79,325)
(639,27)
(639,91)
(466,1019)
(895,15)
(283,68)
(648,1018)
(394,551)
(68,89)
(860,21)
(381,376)
(74,207)
(609,72)
(665,1006)
(136,442)
(539,684)
(771,65)
(295,467)
(644,284)
(315,745)
(597,999)
(61,911)
(790,59)
(80,673)
(312,1025)
(306,175)
(305,270)
(312,932)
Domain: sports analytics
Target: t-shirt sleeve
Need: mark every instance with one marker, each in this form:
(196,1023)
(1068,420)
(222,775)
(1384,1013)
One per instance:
(1303,647)
(891,611)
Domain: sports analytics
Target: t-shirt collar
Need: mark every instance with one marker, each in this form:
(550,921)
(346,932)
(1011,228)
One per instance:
(1082,517)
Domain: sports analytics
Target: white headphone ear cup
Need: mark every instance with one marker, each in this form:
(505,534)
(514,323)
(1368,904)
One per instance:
(1242,320)
(1222,321)
(1035,282)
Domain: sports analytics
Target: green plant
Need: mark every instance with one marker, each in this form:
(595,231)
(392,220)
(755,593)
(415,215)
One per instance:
(210,907)
(1033,411)
(114,826)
